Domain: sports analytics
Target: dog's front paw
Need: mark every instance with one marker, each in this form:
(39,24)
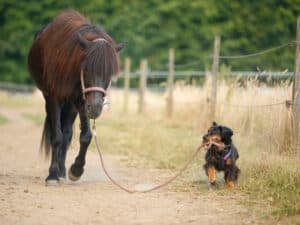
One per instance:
(211,175)
(230,184)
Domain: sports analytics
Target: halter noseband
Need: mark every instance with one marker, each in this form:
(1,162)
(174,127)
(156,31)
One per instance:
(90,89)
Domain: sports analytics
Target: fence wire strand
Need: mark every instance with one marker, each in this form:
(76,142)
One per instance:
(255,106)
(257,53)
(196,63)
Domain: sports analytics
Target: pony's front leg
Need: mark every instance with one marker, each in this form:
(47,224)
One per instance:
(68,116)
(76,170)
(53,110)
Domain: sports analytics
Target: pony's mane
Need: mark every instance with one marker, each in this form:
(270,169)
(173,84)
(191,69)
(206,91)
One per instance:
(62,55)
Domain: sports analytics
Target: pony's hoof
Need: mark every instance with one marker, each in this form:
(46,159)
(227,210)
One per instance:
(52,183)
(52,180)
(62,180)
(71,176)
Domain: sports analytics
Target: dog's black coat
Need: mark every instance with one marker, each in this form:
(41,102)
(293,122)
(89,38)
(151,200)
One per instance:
(215,158)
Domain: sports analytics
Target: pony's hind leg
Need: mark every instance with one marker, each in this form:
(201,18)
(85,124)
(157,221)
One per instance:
(68,115)
(53,110)
(76,170)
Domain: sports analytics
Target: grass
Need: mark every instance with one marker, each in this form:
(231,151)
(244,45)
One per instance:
(276,180)
(33,102)
(3,120)
(157,143)
(270,168)
(15,101)
(268,177)
(20,100)
(36,118)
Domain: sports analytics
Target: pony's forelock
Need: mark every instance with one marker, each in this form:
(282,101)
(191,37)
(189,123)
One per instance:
(101,61)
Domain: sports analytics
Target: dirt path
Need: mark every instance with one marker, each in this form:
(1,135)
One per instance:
(24,199)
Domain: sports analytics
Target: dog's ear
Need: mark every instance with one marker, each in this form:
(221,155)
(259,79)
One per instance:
(227,131)
(214,124)
(226,134)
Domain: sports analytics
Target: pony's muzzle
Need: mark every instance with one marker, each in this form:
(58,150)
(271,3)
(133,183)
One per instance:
(93,104)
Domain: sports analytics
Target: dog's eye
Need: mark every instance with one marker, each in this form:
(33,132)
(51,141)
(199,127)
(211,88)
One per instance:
(216,139)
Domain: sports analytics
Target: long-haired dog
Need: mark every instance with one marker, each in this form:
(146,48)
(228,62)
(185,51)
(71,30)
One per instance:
(221,155)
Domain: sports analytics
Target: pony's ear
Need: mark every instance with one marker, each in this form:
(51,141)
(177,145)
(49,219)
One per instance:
(120,46)
(84,43)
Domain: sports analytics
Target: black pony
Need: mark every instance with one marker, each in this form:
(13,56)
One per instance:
(66,56)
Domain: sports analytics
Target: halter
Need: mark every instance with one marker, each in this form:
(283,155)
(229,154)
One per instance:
(100,39)
(90,89)
(94,88)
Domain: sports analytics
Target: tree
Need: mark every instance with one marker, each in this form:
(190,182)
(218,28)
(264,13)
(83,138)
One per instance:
(153,26)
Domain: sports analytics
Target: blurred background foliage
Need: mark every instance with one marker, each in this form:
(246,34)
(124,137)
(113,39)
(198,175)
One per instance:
(153,26)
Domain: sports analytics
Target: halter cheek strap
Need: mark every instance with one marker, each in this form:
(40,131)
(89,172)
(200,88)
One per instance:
(90,89)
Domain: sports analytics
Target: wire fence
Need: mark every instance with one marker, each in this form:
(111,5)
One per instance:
(164,74)
(22,88)
(182,73)
(287,103)
(258,106)
(174,70)
(255,54)
(13,87)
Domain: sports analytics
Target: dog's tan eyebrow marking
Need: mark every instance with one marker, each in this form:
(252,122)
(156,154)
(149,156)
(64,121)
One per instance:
(214,138)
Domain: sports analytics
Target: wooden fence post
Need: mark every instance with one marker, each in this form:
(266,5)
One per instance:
(142,86)
(296,90)
(170,83)
(126,84)
(214,77)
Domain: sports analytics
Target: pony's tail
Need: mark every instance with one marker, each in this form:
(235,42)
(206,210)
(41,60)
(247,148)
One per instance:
(46,138)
